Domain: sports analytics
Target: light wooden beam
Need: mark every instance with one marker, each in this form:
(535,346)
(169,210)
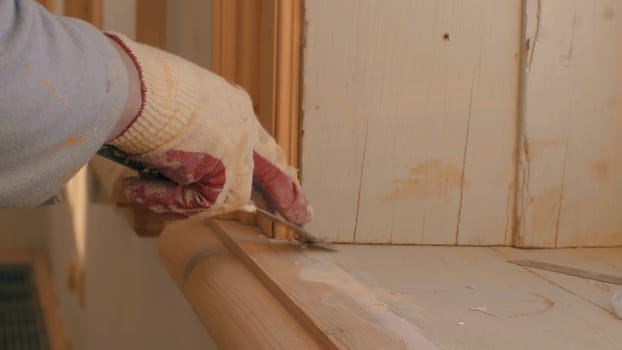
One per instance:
(238,311)
(88,10)
(249,293)
(151,22)
(48,4)
(256,44)
(288,36)
(224,29)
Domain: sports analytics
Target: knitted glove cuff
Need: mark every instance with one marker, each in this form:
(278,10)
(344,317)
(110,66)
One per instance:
(164,111)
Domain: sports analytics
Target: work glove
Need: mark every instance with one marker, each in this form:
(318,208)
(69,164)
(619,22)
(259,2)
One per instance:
(201,133)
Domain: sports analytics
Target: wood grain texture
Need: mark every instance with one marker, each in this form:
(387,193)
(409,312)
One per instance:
(151,22)
(50,5)
(570,166)
(248,48)
(224,27)
(256,44)
(87,10)
(288,36)
(599,260)
(468,298)
(410,120)
(235,307)
(225,270)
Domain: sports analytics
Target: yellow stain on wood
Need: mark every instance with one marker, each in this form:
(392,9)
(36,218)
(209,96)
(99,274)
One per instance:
(433,178)
(541,303)
(54,91)
(600,170)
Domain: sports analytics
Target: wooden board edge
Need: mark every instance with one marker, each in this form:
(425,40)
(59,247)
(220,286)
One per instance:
(227,273)
(48,4)
(277,93)
(288,59)
(521,176)
(288,65)
(224,26)
(278,265)
(232,303)
(270,284)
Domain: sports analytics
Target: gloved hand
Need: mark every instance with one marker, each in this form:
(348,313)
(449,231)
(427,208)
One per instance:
(201,133)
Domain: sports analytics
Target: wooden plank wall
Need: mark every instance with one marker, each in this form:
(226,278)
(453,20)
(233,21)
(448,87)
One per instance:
(476,123)
(409,119)
(570,154)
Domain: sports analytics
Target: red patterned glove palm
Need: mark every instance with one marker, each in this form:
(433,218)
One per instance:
(195,181)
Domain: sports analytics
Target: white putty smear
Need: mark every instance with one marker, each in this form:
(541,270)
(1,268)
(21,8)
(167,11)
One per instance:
(316,271)
(616,301)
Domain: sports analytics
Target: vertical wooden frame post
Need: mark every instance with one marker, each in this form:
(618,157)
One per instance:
(256,44)
(48,4)
(88,10)
(151,22)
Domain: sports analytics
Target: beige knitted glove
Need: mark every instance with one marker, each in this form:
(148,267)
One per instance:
(201,133)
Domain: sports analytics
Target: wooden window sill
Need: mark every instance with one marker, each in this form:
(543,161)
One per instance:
(252,292)
(257,293)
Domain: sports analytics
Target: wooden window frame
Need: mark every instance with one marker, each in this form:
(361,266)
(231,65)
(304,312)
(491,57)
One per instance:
(257,44)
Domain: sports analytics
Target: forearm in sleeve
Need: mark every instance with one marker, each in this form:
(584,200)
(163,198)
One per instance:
(63,88)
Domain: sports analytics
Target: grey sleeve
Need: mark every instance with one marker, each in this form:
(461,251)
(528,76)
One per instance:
(63,88)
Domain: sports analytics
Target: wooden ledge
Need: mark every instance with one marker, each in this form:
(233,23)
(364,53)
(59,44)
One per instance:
(251,292)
